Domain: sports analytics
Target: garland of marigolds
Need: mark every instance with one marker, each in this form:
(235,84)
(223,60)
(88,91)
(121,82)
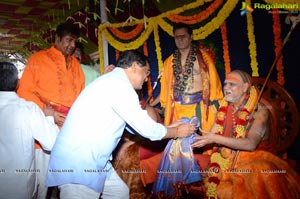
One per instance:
(278,47)
(161,21)
(226,56)
(197,18)
(252,44)
(220,159)
(149,85)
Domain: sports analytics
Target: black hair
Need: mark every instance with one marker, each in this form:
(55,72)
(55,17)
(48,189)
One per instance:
(182,25)
(127,58)
(8,76)
(79,46)
(64,29)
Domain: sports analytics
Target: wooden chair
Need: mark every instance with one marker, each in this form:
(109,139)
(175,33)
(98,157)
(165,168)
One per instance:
(284,125)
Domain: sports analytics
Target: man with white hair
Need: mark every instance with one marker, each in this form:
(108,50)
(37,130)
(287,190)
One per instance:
(237,169)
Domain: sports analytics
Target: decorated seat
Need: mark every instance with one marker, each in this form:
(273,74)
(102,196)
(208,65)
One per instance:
(283,129)
(284,123)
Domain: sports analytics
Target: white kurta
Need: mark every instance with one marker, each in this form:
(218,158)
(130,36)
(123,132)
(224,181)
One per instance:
(21,122)
(94,127)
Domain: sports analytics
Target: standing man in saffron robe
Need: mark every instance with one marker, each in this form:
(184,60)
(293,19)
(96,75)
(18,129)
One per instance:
(53,77)
(190,84)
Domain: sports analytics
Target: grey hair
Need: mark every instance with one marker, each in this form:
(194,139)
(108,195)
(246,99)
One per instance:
(245,76)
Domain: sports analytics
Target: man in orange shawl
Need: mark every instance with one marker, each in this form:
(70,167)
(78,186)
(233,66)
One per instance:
(53,77)
(190,86)
(189,72)
(241,124)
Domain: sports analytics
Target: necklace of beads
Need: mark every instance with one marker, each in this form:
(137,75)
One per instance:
(183,75)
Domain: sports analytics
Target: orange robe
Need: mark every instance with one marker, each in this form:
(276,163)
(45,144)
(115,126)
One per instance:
(259,174)
(174,111)
(46,73)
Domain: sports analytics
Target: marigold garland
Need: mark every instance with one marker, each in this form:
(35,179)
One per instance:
(149,85)
(252,44)
(153,24)
(226,56)
(122,46)
(197,18)
(220,159)
(216,22)
(165,26)
(117,54)
(278,47)
(158,49)
(101,55)
(127,35)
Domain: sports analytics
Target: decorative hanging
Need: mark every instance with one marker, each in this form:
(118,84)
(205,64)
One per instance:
(117,54)
(149,85)
(278,47)
(127,35)
(160,21)
(226,56)
(252,45)
(197,18)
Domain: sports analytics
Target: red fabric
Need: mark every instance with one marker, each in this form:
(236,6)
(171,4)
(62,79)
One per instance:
(229,124)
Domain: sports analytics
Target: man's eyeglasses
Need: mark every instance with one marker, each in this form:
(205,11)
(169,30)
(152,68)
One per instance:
(147,71)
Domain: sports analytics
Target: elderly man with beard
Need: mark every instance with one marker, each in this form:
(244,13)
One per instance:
(237,169)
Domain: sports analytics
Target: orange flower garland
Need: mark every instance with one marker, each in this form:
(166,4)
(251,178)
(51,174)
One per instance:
(149,85)
(105,31)
(225,48)
(220,159)
(197,18)
(278,47)
(117,54)
(127,35)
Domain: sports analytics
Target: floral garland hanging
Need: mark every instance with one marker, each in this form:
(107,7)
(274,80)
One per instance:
(158,49)
(220,159)
(197,18)
(101,53)
(153,24)
(127,35)
(278,47)
(149,85)
(216,22)
(117,54)
(252,44)
(226,56)
(122,46)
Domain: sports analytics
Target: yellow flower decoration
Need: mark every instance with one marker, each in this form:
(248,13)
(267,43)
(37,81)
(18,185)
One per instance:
(211,190)
(217,158)
(252,45)
(240,130)
(161,21)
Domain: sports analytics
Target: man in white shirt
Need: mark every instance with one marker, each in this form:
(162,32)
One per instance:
(21,123)
(80,160)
